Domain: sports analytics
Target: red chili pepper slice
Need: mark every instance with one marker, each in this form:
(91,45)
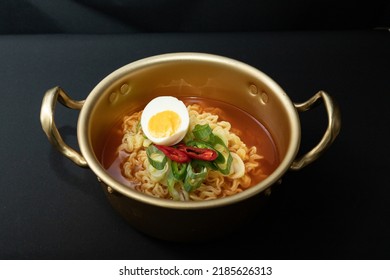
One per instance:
(174,154)
(198,153)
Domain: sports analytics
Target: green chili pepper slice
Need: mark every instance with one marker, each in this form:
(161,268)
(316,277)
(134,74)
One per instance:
(179,170)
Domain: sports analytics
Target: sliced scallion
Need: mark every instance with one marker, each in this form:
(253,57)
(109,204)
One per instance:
(196,174)
(156,157)
(224,159)
(203,133)
(172,182)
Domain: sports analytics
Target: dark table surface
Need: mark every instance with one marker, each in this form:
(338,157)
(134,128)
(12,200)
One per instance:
(336,208)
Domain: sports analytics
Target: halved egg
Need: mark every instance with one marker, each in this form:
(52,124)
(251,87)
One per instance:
(165,120)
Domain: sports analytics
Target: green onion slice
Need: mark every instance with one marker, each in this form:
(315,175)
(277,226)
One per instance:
(203,133)
(172,183)
(224,160)
(156,157)
(158,175)
(196,174)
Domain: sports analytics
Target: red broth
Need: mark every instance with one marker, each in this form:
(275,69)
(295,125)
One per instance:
(250,130)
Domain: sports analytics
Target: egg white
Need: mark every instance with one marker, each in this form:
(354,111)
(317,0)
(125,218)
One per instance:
(160,104)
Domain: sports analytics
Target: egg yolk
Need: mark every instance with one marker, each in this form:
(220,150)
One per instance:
(164,124)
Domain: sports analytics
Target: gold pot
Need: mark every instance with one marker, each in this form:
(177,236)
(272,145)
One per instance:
(187,74)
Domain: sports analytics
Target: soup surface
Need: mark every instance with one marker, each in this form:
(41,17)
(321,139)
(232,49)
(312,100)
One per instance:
(249,130)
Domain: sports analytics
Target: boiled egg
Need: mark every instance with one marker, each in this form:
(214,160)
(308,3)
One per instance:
(165,120)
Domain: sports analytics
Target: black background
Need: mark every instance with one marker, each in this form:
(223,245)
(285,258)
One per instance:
(336,208)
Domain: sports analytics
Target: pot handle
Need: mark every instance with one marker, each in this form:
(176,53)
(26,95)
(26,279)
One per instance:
(333,129)
(49,127)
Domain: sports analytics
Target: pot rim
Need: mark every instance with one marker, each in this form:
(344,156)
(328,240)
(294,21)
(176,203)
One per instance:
(102,174)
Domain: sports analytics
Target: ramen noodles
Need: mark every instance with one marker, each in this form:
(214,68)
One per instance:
(222,152)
